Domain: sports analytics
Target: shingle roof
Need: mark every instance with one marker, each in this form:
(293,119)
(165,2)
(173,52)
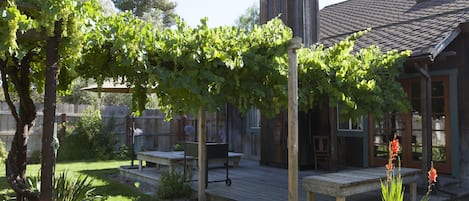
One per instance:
(396,24)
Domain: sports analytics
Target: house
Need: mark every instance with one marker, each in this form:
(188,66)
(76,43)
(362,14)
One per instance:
(435,78)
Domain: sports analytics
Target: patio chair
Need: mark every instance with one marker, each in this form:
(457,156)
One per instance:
(321,150)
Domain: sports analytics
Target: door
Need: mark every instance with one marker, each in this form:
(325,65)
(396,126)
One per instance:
(274,133)
(408,127)
(251,139)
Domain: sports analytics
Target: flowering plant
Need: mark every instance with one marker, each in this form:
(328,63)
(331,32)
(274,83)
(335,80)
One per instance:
(392,189)
(432,175)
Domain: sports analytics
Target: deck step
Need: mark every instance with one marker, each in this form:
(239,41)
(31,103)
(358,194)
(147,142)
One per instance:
(214,197)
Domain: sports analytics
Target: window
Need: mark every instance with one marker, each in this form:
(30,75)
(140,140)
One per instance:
(409,129)
(348,124)
(254,118)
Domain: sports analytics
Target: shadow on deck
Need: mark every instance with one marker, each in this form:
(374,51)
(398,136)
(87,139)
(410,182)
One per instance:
(250,181)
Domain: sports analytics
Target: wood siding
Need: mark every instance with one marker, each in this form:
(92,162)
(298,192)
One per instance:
(242,138)
(461,61)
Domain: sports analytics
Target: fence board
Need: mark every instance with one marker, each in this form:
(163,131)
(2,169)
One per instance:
(157,134)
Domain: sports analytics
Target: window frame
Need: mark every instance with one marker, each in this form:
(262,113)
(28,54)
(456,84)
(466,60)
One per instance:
(350,124)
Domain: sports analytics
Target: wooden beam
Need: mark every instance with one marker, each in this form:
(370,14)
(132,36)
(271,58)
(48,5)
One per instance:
(293,119)
(202,151)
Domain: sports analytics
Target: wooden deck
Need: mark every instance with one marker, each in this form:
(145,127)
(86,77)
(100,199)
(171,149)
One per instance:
(250,181)
(254,182)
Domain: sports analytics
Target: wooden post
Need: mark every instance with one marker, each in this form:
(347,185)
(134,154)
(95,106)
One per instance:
(293,119)
(49,144)
(333,137)
(426,110)
(311,22)
(294,17)
(128,128)
(202,154)
(64,127)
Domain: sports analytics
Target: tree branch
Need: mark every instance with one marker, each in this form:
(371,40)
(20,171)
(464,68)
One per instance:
(26,103)
(32,35)
(6,91)
(18,74)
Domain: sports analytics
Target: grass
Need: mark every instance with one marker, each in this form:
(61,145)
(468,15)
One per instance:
(100,171)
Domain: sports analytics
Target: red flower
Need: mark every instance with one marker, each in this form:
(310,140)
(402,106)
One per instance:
(394,147)
(432,175)
(389,166)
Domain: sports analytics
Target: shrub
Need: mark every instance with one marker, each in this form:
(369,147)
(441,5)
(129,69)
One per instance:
(104,140)
(124,152)
(91,139)
(75,147)
(35,157)
(173,185)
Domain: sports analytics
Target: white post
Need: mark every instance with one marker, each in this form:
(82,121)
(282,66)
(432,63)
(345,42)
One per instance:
(293,119)
(202,151)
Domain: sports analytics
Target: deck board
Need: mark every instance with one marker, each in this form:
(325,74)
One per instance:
(250,181)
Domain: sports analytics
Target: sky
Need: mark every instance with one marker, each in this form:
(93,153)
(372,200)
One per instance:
(220,12)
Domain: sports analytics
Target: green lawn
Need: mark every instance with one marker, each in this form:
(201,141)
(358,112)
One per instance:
(100,171)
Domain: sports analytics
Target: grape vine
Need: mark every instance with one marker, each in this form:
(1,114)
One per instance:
(189,67)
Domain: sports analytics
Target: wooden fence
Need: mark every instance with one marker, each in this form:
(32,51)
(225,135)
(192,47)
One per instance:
(152,131)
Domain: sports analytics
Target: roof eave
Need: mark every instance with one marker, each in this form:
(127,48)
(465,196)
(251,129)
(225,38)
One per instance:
(445,42)
(420,58)
(431,55)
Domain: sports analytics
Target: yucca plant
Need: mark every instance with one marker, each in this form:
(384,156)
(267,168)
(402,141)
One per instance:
(68,188)
(34,182)
(392,190)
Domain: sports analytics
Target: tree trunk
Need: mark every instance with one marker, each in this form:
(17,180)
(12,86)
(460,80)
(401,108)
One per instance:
(16,164)
(50,89)
(17,73)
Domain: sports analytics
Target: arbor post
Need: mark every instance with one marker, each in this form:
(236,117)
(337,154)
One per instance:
(49,141)
(295,44)
(202,151)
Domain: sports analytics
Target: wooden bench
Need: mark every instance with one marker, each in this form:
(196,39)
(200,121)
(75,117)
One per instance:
(349,182)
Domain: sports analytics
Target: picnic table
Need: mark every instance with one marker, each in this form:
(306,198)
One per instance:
(176,158)
(349,182)
(170,159)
